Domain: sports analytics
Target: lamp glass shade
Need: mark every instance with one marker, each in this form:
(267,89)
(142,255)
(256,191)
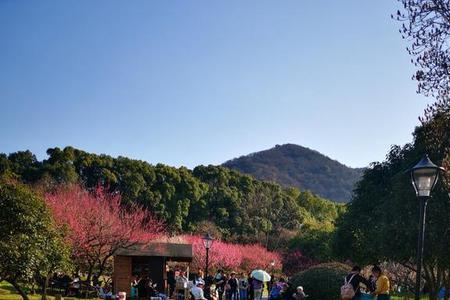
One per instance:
(424,181)
(424,176)
(208,241)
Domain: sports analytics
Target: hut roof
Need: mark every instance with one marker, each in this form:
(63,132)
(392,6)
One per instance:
(171,251)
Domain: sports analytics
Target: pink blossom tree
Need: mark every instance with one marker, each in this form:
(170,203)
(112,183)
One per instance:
(230,256)
(98,225)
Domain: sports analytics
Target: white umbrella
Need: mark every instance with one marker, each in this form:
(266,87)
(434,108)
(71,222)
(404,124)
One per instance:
(260,275)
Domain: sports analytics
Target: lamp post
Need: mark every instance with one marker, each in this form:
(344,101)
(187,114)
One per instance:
(424,176)
(207,242)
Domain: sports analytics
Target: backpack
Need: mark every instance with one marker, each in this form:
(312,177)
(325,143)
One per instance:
(347,290)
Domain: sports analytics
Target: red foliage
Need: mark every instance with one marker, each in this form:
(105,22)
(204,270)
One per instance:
(233,256)
(295,261)
(98,225)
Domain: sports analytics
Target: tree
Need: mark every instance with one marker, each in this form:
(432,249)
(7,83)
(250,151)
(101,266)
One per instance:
(381,223)
(229,256)
(57,257)
(248,210)
(436,124)
(60,165)
(241,208)
(25,164)
(294,261)
(98,225)
(426,25)
(26,231)
(436,131)
(315,241)
(321,281)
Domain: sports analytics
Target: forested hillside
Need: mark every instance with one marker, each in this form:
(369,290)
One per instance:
(296,166)
(233,206)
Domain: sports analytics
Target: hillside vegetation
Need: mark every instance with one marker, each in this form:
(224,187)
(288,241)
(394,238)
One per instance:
(296,166)
(233,206)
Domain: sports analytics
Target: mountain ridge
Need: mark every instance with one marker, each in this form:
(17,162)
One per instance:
(301,167)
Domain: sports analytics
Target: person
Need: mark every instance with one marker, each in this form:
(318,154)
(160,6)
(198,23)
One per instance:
(250,287)
(54,282)
(151,288)
(133,289)
(287,290)
(279,289)
(197,290)
(181,285)
(199,276)
(355,279)
(271,283)
(96,280)
(143,282)
(283,284)
(372,283)
(209,289)
(383,285)
(243,287)
(65,283)
(171,282)
(233,284)
(75,286)
(275,291)
(220,282)
(105,292)
(299,294)
(441,295)
(226,287)
(257,289)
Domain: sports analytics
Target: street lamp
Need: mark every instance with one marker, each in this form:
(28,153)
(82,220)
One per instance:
(207,242)
(424,176)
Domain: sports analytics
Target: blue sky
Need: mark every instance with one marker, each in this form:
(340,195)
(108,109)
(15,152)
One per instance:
(200,82)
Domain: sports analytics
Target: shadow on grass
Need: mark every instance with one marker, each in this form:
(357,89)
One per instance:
(6,288)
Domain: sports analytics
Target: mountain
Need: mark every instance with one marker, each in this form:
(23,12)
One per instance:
(297,166)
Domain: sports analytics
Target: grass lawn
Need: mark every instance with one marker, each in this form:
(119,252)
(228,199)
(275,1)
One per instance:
(7,292)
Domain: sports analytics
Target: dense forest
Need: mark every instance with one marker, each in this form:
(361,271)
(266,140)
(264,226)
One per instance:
(233,206)
(296,166)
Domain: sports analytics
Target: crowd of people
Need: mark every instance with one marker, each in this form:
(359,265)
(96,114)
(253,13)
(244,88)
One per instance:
(143,287)
(226,286)
(73,285)
(242,286)
(229,286)
(377,284)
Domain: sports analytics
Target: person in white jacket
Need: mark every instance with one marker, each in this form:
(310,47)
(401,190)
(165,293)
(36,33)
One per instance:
(197,290)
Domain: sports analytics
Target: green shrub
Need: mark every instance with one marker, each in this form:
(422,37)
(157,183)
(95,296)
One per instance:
(322,281)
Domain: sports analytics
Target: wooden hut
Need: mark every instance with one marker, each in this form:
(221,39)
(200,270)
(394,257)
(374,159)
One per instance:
(147,259)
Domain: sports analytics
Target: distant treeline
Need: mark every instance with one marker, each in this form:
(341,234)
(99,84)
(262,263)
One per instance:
(233,206)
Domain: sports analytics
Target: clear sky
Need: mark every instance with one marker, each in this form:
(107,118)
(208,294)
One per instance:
(200,82)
